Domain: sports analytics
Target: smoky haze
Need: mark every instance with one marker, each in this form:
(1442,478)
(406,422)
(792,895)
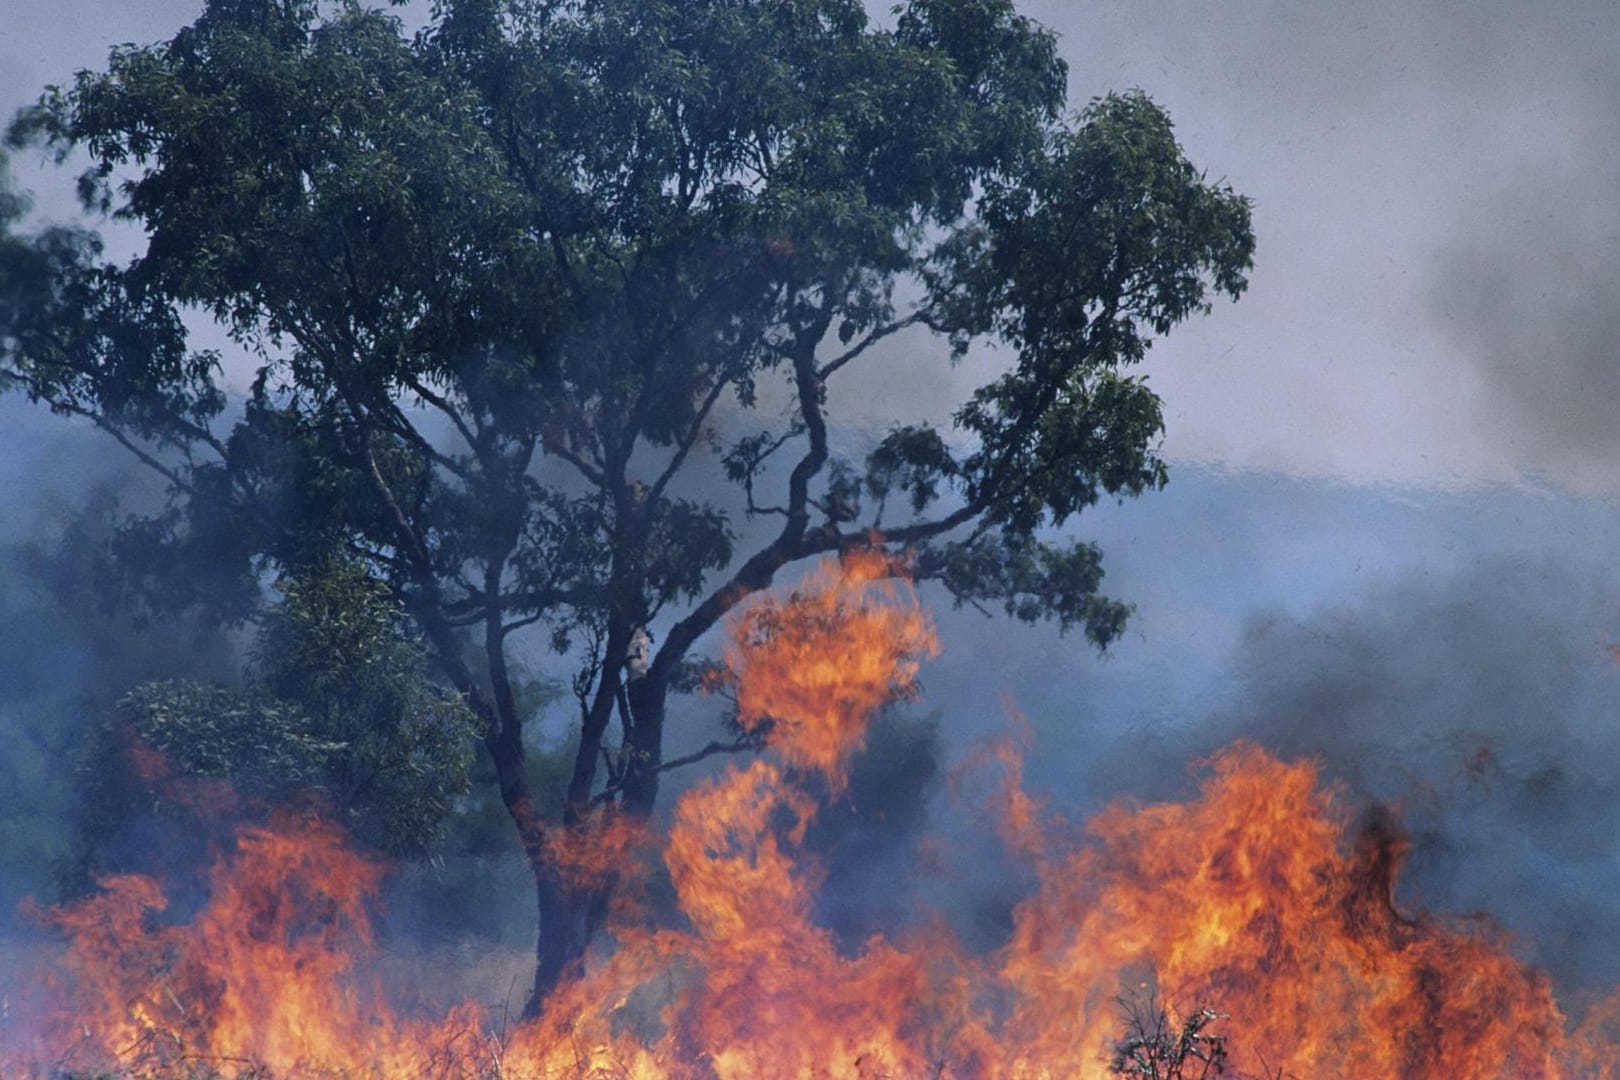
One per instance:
(1452,657)
(1481,704)
(1436,188)
(1530,289)
(67,655)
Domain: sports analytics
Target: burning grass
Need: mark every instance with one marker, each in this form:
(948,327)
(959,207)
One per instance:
(1264,897)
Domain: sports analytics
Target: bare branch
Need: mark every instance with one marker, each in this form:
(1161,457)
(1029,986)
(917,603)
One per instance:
(877,335)
(438,401)
(741,746)
(588,470)
(407,431)
(518,624)
(688,440)
(146,458)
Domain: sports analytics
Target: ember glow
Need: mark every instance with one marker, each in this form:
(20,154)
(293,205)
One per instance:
(1267,898)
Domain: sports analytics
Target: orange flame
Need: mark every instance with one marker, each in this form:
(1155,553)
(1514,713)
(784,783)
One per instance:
(815,666)
(1263,898)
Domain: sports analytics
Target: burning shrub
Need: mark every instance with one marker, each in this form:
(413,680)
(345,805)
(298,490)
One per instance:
(1155,1047)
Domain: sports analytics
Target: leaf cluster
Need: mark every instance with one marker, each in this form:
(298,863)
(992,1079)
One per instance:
(340,710)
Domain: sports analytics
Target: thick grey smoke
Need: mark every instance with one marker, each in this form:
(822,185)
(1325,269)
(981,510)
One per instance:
(1482,705)
(1530,289)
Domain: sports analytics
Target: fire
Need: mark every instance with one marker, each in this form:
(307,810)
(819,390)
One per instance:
(1265,899)
(817,665)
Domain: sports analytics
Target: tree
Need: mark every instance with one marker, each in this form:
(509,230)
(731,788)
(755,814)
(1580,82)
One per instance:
(339,707)
(518,288)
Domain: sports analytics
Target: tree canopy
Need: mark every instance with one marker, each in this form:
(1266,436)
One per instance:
(519,290)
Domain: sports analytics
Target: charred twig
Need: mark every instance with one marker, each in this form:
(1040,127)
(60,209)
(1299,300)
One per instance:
(741,746)
(1154,1048)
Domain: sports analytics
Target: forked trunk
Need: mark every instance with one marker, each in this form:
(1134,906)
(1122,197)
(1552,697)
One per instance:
(571,914)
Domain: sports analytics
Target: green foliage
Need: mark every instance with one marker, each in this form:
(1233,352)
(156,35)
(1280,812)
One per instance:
(338,647)
(341,709)
(1030,581)
(572,228)
(264,746)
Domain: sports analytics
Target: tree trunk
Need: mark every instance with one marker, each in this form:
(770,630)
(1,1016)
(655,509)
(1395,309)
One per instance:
(570,914)
(566,927)
(647,697)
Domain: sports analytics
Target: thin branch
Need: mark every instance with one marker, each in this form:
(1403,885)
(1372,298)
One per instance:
(518,624)
(791,543)
(184,427)
(494,647)
(145,457)
(596,710)
(407,431)
(438,401)
(198,433)
(793,432)
(877,335)
(809,386)
(461,622)
(688,440)
(585,468)
(766,164)
(714,747)
(789,547)
(421,562)
(614,766)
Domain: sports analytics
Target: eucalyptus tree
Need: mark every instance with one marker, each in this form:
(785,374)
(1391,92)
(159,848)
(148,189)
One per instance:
(513,286)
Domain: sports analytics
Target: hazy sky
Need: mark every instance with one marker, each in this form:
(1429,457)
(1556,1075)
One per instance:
(1437,191)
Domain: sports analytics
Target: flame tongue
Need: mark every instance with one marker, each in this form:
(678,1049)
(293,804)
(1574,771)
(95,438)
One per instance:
(265,972)
(1258,898)
(815,667)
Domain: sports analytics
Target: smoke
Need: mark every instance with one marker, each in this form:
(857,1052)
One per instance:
(868,838)
(68,654)
(1482,705)
(1448,655)
(1530,290)
(1423,173)
(1410,642)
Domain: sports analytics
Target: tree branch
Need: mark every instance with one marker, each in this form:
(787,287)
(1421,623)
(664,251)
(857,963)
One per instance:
(714,747)
(99,419)
(684,446)
(438,401)
(877,335)
(585,468)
